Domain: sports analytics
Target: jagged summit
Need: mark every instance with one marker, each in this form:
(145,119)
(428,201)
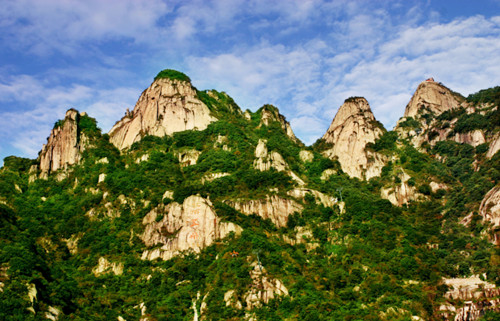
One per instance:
(169,105)
(353,127)
(432,96)
(65,143)
(270,113)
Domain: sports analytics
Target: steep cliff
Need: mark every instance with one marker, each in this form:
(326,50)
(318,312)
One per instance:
(64,145)
(192,225)
(353,127)
(167,106)
(269,113)
(431,96)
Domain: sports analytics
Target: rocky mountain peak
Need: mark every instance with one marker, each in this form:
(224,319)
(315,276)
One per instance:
(64,145)
(353,127)
(270,113)
(432,96)
(169,105)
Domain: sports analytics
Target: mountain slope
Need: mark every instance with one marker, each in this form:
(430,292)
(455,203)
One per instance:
(239,220)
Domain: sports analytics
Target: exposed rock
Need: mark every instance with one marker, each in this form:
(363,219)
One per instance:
(143,158)
(477,297)
(353,127)
(401,193)
(306,156)
(64,145)
(474,138)
(431,96)
(52,314)
(103,161)
(270,113)
(494,146)
(166,107)
(104,266)
(437,186)
(263,289)
(221,142)
(168,194)
(327,173)
(190,226)
(490,211)
(188,157)
(321,198)
(264,161)
(72,244)
(303,235)
(275,208)
(101,178)
(213,176)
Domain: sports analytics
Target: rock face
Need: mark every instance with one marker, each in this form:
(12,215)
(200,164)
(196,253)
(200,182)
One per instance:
(262,290)
(166,107)
(351,130)
(270,113)
(275,208)
(490,211)
(265,161)
(104,266)
(190,226)
(476,295)
(64,145)
(431,96)
(401,193)
(494,146)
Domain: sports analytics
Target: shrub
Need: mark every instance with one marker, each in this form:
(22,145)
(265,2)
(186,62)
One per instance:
(173,75)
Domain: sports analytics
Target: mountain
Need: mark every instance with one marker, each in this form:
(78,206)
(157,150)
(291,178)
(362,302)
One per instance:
(192,209)
(353,127)
(169,105)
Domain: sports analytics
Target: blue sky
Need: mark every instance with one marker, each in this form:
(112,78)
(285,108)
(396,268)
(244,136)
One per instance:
(306,56)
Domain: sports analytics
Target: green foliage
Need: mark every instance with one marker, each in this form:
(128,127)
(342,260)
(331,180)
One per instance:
(409,122)
(490,95)
(173,75)
(385,142)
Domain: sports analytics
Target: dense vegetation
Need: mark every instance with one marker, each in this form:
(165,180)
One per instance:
(364,259)
(173,75)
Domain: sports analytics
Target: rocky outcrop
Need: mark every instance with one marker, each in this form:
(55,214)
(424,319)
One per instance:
(490,212)
(264,160)
(468,299)
(262,290)
(353,127)
(401,193)
(64,145)
(494,146)
(275,208)
(166,107)
(188,157)
(104,266)
(431,96)
(269,114)
(306,156)
(325,200)
(174,228)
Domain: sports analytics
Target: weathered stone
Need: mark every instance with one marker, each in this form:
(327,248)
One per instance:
(275,208)
(193,226)
(494,146)
(306,156)
(64,145)
(104,266)
(270,113)
(351,130)
(166,107)
(431,96)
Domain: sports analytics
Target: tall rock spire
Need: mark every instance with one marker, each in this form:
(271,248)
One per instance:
(169,105)
(353,127)
(64,145)
(431,96)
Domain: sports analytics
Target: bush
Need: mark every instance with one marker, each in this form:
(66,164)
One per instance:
(173,75)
